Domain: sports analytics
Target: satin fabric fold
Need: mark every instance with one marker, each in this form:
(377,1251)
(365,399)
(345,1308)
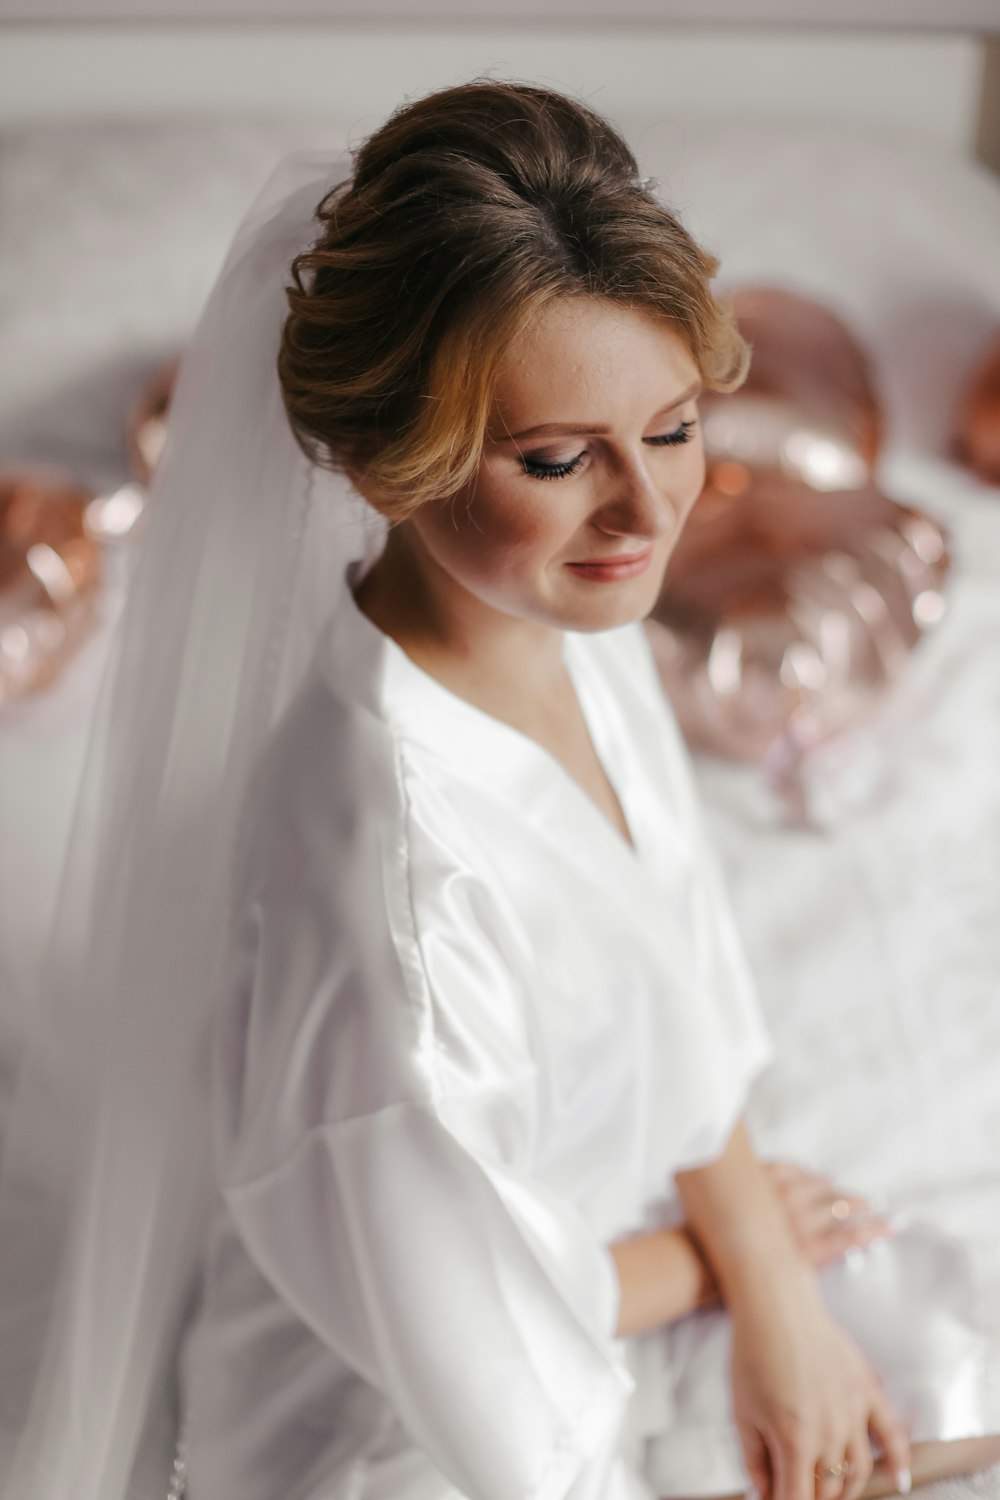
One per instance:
(468,1035)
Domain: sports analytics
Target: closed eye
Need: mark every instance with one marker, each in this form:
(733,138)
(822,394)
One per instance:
(681,434)
(538,470)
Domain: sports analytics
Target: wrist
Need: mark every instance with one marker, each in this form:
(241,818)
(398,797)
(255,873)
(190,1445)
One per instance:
(756,1272)
(771,1288)
(707,1292)
(662,1276)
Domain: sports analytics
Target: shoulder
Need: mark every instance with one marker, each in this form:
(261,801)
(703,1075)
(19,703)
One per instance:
(361,914)
(322,785)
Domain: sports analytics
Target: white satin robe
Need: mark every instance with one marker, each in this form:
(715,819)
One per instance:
(468,1036)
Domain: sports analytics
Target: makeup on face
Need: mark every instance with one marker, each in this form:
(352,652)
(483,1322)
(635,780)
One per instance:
(592,463)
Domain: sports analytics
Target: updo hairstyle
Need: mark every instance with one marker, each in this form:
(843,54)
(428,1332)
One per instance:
(467,213)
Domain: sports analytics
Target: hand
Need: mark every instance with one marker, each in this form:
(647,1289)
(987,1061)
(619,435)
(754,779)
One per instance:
(805,1399)
(807,1198)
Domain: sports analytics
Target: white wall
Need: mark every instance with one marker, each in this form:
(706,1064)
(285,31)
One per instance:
(922,85)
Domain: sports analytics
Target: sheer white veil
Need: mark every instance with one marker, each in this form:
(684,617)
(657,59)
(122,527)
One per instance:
(106,1172)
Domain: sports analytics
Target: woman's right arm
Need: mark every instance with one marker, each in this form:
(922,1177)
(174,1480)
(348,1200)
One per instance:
(663,1275)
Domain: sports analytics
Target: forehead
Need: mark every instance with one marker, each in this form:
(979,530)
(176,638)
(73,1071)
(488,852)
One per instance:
(585,358)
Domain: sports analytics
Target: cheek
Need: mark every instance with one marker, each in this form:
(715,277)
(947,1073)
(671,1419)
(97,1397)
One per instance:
(503,525)
(693,478)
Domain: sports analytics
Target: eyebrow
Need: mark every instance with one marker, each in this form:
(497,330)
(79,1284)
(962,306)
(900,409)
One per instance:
(573,429)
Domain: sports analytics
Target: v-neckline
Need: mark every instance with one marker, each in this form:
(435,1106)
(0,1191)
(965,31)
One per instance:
(599,744)
(597,733)
(487,727)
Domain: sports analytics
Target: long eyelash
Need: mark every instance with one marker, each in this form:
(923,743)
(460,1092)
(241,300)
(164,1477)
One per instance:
(551,471)
(681,434)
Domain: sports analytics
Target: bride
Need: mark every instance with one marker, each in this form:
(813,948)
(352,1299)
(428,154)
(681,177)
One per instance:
(449,1179)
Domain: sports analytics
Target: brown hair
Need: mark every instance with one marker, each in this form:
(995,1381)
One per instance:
(467,212)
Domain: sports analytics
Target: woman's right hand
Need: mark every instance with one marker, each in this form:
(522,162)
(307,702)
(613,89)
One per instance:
(825,1221)
(805,1399)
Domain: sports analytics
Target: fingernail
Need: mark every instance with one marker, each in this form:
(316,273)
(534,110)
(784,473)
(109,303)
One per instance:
(904,1481)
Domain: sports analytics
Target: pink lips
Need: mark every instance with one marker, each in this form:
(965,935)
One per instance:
(614,569)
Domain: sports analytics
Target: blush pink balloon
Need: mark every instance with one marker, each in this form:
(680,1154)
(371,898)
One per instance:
(797,589)
(50,575)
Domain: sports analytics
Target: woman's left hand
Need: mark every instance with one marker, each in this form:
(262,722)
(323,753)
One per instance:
(825,1220)
(806,1402)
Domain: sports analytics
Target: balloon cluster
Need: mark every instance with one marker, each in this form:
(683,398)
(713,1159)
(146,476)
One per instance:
(797,588)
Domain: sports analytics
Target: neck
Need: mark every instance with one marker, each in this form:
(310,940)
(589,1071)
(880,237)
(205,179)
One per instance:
(495,659)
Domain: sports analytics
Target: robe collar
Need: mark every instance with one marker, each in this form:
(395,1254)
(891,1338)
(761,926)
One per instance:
(360,662)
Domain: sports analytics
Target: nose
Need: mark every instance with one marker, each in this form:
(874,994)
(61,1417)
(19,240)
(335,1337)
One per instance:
(639,506)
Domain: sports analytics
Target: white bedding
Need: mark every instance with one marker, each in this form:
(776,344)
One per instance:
(876,941)
(876,944)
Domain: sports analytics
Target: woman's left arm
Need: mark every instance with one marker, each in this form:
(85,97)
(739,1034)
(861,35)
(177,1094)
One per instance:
(804,1395)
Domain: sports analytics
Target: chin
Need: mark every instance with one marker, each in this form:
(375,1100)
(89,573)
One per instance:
(607,614)
(615,604)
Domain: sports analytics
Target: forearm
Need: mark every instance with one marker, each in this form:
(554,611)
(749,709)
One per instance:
(662,1275)
(737,1245)
(737,1221)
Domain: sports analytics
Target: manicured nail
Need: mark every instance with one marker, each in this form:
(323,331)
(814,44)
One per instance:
(904,1481)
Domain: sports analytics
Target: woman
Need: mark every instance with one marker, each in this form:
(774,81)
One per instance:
(483,1032)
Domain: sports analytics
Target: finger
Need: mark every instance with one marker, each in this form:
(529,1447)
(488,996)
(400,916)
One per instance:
(782,1173)
(847,1203)
(820,1201)
(757,1463)
(831,1244)
(893,1437)
(800,1180)
(830,1486)
(827,1198)
(859,1457)
(786,1170)
(793,1464)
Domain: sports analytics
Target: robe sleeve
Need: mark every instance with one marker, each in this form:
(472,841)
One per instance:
(377,1086)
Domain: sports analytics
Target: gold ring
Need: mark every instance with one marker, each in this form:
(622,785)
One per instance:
(840,1208)
(835,1471)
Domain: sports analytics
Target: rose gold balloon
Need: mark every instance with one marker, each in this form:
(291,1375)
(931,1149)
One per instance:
(147,423)
(808,406)
(50,572)
(788,612)
(797,589)
(977,438)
